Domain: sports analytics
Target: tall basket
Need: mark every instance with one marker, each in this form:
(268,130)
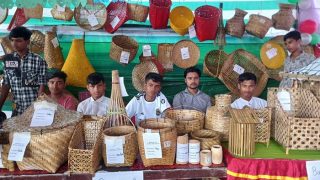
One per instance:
(207,21)
(159,13)
(235,26)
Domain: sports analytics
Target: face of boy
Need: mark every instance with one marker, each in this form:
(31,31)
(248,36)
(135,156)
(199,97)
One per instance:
(19,44)
(56,85)
(97,91)
(152,88)
(246,89)
(292,45)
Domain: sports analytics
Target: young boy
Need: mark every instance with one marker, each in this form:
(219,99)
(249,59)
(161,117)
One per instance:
(297,59)
(97,104)
(57,85)
(247,84)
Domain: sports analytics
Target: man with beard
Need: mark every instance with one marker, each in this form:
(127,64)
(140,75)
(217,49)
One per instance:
(192,97)
(247,84)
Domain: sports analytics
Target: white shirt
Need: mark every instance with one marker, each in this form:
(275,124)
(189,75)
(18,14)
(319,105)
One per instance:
(142,109)
(97,107)
(254,103)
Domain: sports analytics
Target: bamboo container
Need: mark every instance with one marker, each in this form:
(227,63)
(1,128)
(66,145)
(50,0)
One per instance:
(205,158)
(182,150)
(194,151)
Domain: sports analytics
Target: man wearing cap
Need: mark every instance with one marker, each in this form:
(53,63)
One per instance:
(151,102)
(24,72)
(192,97)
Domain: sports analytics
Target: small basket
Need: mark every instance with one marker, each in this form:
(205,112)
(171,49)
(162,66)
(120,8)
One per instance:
(213,62)
(85,146)
(98,10)
(249,63)
(217,120)
(284,19)
(168,137)
(207,138)
(123,43)
(138,12)
(185,61)
(139,73)
(36,12)
(37,41)
(186,120)
(165,56)
(235,26)
(67,15)
(258,25)
(118,13)
(223,101)
(207,21)
(159,13)
(52,55)
(180,19)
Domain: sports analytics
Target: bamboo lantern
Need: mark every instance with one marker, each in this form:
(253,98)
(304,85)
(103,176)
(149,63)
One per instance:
(242,132)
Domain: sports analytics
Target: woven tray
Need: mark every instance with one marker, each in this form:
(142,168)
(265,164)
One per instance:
(185,61)
(98,10)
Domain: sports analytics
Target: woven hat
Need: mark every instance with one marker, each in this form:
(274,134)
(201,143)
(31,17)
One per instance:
(272,55)
(97,11)
(139,73)
(185,54)
(181,18)
(37,41)
(52,52)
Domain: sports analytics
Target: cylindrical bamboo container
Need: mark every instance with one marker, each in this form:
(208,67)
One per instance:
(205,158)
(194,151)
(182,156)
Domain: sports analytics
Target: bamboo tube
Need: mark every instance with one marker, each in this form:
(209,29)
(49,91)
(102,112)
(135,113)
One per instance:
(205,158)
(194,151)
(182,149)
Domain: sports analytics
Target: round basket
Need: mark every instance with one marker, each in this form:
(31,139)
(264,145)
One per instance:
(37,40)
(130,144)
(186,120)
(284,19)
(247,62)
(117,15)
(235,26)
(168,138)
(272,55)
(98,11)
(139,73)
(185,54)
(159,13)
(213,62)
(122,43)
(258,25)
(165,56)
(181,18)
(217,120)
(138,12)
(207,21)
(207,138)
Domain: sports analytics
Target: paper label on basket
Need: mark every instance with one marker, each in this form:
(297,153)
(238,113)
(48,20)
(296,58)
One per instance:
(185,53)
(93,21)
(114,150)
(1,164)
(124,57)
(271,53)
(123,138)
(182,152)
(127,175)
(123,87)
(55,42)
(2,50)
(18,146)
(146,50)
(167,144)
(285,100)
(152,145)
(115,22)
(192,32)
(313,170)
(61,8)
(238,69)
(42,117)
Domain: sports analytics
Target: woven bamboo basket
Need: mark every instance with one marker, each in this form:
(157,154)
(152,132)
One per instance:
(217,120)
(123,43)
(222,101)
(4,155)
(66,15)
(258,25)
(168,137)
(185,61)
(128,135)
(299,128)
(81,14)
(181,18)
(165,56)
(249,63)
(153,59)
(37,41)
(213,62)
(271,98)
(138,12)
(139,73)
(235,26)
(52,55)
(207,138)
(186,120)
(118,13)
(35,12)
(263,129)
(284,19)
(85,146)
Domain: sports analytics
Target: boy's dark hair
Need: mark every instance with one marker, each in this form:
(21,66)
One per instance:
(293,35)
(57,74)
(155,77)
(192,69)
(95,78)
(247,76)
(19,32)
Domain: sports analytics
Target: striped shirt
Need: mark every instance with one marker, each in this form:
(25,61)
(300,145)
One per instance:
(254,103)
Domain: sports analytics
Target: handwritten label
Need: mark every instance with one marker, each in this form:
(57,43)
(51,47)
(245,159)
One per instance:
(93,21)
(55,42)
(61,8)
(194,152)
(42,117)
(185,53)
(285,100)
(115,22)
(271,53)
(238,69)
(182,153)
(146,50)
(114,150)
(128,175)
(18,146)
(313,170)
(124,57)
(1,164)
(192,32)
(123,87)
(152,145)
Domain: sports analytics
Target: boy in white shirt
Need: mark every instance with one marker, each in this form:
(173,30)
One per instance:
(247,84)
(151,102)
(97,104)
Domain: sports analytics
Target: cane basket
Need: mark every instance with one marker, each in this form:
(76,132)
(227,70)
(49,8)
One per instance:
(213,62)
(138,12)
(258,25)
(123,43)
(207,138)
(206,21)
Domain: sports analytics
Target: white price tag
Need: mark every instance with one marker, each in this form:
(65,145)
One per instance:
(185,53)
(271,53)
(147,51)
(262,21)
(115,22)
(313,170)
(152,145)
(238,69)
(93,21)
(285,100)
(192,32)
(124,57)
(61,9)
(18,146)
(114,150)
(1,164)
(42,117)
(55,42)
(127,175)
(123,87)
(2,50)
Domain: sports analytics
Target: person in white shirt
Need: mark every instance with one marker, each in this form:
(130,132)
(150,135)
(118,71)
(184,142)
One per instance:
(97,104)
(247,84)
(150,103)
